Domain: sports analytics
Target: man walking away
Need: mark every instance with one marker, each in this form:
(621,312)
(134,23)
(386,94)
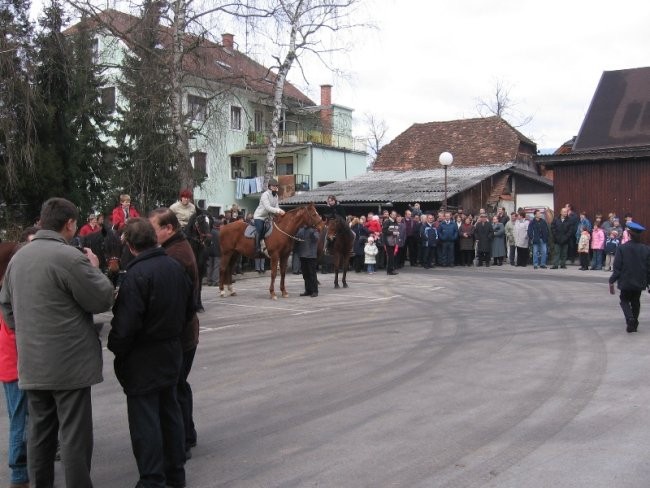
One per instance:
(154,303)
(49,296)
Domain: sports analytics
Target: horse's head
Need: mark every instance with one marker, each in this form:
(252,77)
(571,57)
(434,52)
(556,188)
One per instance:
(312,217)
(202,225)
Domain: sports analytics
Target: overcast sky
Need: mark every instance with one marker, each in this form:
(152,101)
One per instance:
(431,60)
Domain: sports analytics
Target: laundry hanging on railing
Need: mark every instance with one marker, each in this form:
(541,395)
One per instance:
(246,186)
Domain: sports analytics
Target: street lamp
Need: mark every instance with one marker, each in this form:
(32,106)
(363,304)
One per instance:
(446,159)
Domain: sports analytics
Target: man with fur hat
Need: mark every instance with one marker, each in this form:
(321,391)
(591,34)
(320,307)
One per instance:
(632,272)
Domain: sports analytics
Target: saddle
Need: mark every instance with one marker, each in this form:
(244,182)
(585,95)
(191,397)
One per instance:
(250,232)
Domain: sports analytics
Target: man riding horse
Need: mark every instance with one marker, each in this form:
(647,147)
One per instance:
(268,206)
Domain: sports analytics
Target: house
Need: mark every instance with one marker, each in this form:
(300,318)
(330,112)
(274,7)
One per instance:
(228,99)
(606,168)
(492,167)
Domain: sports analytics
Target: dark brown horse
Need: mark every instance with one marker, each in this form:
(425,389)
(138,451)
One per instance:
(340,241)
(278,245)
(7,250)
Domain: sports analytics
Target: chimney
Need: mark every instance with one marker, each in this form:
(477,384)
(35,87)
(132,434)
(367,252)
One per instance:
(326,109)
(227,41)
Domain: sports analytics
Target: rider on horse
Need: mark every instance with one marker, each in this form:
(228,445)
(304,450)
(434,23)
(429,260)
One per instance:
(333,210)
(268,206)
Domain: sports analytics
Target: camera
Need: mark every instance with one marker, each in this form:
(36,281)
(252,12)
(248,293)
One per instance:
(79,247)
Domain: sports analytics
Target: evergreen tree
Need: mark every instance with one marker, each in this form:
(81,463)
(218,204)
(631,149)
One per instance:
(147,166)
(17,133)
(70,152)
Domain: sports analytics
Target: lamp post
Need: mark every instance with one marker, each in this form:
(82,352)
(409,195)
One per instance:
(446,159)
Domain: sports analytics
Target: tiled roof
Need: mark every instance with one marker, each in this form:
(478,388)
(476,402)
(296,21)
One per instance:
(473,142)
(406,186)
(206,59)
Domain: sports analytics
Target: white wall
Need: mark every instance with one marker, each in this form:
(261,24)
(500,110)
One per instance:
(534,200)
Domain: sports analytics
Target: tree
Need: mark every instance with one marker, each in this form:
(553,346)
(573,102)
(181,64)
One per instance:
(70,152)
(146,164)
(299,29)
(501,105)
(17,134)
(377,130)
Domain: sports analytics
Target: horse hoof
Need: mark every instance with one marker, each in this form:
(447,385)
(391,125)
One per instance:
(233,294)
(345,285)
(273,297)
(285,295)
(223,294)
(337,286)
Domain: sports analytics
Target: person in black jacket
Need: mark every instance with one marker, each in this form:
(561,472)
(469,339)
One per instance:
(632,272)
(154,302)
(307,250)
(562,228)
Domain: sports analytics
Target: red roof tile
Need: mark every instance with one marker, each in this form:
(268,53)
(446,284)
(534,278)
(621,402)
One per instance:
(206,59)
(472,142)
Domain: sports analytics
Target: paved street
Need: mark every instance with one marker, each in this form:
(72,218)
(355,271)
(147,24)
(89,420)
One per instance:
(499,377)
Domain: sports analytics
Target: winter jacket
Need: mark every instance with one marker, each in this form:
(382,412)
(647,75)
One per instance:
(373,226)
(183,212)
(370,251)
(390,231)
(428,235)
(583,242)
(154,303)
(448,231)
(562,230)
(268,206)
(631,267)
(308,243)
(49,296)
(538,231)
(521,233)
(510,233)
(179,248)
(8,356)
(466,243)
(119,219)
(498,243)
(598,239)
(361,236)
(611,245)
(484,233)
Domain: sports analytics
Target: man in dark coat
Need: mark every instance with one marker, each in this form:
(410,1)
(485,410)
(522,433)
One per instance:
(562,228)
(538,236)
(154,302)
(390,233)
(172,239)
(448,234)
(483,235)
(632,272)
(307,250)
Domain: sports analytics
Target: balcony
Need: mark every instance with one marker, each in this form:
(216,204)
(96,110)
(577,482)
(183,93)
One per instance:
(288,186)
(285,138)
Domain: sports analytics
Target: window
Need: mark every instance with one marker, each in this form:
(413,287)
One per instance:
(236,170)
(284,166)
(235,118)
(197,108)
(94,47)
(259,121)
(199,161)
(253,168)
(108,99)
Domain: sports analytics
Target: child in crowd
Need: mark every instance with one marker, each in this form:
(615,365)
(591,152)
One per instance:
(583,248)
(597,246)
(611,245)
(370,250)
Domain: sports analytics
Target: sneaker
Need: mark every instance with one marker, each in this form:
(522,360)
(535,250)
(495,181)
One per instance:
(543,267)
(553,267)
(535,267)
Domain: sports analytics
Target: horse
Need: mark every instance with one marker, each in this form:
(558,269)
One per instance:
(340,241)
(278,245)
(113,255)
(198,235)
(7,250)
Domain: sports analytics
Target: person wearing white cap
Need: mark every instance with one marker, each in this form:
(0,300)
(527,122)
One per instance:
(632,273)
(268,206)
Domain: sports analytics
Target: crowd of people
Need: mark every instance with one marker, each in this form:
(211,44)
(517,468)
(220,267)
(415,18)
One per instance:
(155,327)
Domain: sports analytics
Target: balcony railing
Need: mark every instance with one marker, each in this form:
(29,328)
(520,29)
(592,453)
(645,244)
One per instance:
(305,136)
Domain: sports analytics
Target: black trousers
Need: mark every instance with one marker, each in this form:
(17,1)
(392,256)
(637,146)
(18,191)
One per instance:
(390,259)
(309,274)
(631,305)
(157,438)
(68,413)
(522,256)
(412,245)
(186,398)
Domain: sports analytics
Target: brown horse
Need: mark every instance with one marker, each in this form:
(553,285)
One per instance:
(278,245)
(7,250)
(340,241)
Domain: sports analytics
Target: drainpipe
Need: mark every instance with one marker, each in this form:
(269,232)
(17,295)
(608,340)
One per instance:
(345,164)
(311,165)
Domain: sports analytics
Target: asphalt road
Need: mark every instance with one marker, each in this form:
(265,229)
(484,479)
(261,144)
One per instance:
(499,377)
